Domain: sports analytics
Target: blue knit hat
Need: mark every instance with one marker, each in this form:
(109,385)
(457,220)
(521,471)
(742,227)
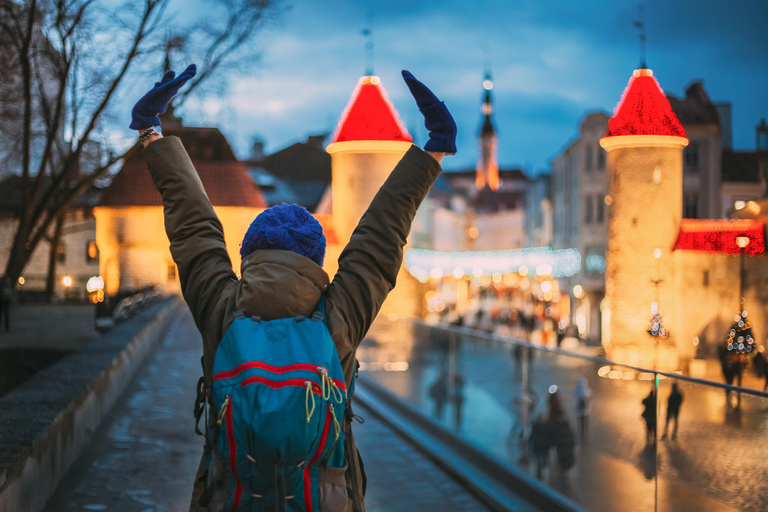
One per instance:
(289,227)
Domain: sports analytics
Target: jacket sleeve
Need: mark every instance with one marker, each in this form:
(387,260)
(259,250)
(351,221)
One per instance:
(194,230)
(370,262)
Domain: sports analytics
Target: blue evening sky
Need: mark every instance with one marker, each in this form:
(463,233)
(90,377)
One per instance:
(552,63)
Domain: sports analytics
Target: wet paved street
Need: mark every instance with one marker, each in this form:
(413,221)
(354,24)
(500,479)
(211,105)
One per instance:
(705,468)
(145,457)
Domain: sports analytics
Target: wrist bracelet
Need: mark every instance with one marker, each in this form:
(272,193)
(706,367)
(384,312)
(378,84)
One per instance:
(144,136)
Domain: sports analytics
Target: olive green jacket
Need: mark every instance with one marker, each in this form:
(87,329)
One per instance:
(282,284)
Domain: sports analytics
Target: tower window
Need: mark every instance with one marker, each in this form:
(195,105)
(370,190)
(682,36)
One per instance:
(600,158)
(589,157)
(691,158)
(589,211)
(600,206)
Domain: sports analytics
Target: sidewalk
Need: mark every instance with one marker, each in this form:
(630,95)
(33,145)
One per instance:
(50,326)
(146,455)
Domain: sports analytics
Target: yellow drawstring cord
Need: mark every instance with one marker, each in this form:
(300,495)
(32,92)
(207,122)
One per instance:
(336,426)
(336,391)
(309,395)
(325,388)
(222,411)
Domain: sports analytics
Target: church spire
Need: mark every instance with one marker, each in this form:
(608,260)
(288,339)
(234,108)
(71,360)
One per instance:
(487,166)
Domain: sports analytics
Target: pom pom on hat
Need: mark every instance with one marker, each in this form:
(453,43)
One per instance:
(288,227)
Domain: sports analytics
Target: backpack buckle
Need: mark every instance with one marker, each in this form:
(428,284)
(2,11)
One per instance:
(256,318)
(239,314)
(317,316)
(300,319)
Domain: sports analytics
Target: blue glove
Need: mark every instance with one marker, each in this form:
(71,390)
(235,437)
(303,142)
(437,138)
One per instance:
(437,119)
(146,110)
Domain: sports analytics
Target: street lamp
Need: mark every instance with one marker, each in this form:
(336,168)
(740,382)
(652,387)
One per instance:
(742,241)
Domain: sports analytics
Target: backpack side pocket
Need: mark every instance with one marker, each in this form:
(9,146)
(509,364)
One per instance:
(333,489)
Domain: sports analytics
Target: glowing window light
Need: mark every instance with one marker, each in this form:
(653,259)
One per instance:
(436,273)
(21,280)
(95,283)
(739,205)
(546,286)
(578,291)
(559,263)
(67,281)
(496,277)
(458,272)
(477,272)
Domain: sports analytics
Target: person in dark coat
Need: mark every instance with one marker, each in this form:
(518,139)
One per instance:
(561,434)
(540,443)
(673,410)
(6,295)
(649,415)
(283,250)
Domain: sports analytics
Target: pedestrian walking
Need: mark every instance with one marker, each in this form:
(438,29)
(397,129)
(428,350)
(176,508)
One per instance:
(6,296)
(759,362)
(673,410)
(649,415)
(583,395)
(539,442)
(283,286)
(438,391)
(561,433)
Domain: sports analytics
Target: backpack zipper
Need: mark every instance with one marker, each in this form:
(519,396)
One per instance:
(233,455)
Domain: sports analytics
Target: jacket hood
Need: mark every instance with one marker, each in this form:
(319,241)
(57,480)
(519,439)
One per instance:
(279,284)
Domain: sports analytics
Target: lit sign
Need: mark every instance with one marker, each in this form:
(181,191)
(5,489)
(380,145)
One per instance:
(422,263)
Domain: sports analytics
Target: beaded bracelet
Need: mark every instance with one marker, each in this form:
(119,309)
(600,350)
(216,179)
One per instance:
(144,136)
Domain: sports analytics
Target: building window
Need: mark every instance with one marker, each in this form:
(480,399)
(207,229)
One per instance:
(589,157)
(91,252)
(691,158)
(706,278)
(600,158)
(600,206)
(61,253)
(589,210)
(690,206)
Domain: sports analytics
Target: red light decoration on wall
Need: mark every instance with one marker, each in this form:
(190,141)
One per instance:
(644,109)
(370,115)
(719,236)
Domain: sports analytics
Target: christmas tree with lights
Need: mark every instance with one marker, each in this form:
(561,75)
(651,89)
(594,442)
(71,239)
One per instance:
(657,327)
(739,339)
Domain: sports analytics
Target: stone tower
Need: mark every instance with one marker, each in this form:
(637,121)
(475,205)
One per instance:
(487,164)
(644,142)
(367,144)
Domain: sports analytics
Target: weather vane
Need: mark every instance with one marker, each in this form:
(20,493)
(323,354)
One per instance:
(640,25)
(368,33)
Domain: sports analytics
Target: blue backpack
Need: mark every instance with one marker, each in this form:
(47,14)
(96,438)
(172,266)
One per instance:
(274,437)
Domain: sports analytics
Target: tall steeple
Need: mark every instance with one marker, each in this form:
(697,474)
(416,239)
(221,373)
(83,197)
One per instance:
(487,165)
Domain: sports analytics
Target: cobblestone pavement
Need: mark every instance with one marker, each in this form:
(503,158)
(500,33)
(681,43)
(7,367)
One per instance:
(145,456)
(704,468)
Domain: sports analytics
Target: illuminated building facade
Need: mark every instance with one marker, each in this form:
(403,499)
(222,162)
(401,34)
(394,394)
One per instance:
(655,259)
(129,218)
(580,190)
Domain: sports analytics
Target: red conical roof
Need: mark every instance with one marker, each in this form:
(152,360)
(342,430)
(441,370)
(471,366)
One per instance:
(644,109)
(370,115)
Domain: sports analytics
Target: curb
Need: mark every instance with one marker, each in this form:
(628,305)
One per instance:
(49,420)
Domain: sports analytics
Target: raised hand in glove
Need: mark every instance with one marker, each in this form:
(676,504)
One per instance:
(145,112)
(437,119)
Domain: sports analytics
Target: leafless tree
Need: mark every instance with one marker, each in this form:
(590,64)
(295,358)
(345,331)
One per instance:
(64,66)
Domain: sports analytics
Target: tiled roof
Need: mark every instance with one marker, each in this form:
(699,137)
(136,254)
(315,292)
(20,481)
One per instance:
(490,201)
(370,115)
(225,179)
(742,166)
(644,110)
(696,107)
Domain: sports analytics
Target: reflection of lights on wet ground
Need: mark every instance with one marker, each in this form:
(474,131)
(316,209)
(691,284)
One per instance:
(610,373)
